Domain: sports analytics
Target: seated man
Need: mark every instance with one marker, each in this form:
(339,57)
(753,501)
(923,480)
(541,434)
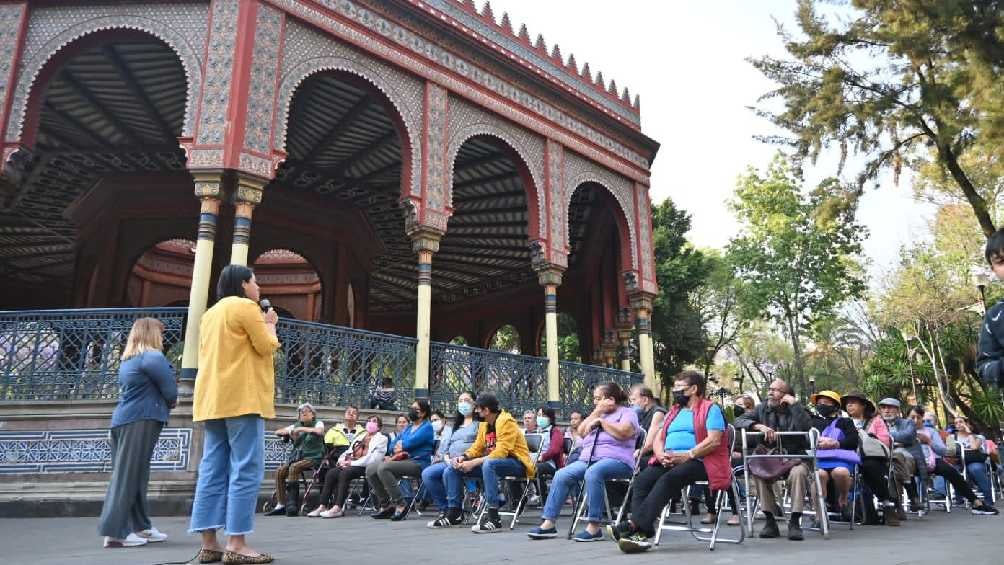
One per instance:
(499,450)
(905,454)
(933,449)
(385,397)
(689,447)
(308,450)
(781,413)
(340,436)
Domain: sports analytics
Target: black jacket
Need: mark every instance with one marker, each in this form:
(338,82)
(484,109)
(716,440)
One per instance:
(792,418)
(850,440)
(990,358)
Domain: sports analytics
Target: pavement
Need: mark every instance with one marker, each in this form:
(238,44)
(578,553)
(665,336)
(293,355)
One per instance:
(936,539)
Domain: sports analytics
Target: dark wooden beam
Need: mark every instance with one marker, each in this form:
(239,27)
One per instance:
(485,180)
(478,161)
(137,90)
(344,123)
(89,96)
(458,202)
(97,139)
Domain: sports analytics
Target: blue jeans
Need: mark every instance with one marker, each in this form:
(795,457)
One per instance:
(434,481)
(977,471)
(595,476)
(230,474)
(491,470)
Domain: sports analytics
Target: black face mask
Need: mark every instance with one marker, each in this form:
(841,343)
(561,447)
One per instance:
(737,411)
(681,399)
(413,415)
(825,410)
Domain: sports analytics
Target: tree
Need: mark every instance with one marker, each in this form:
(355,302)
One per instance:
(680,269)
(890,81)
(716,303)
(795,252)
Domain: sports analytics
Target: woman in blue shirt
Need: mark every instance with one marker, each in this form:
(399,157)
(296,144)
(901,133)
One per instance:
(410,454)
(148,392)
(446,492)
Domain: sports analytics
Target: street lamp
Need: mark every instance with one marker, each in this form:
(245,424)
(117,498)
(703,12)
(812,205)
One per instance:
(980,277)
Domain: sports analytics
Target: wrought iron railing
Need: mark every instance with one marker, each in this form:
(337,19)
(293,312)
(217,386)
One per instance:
(578,381)
(72,354)
(334,365)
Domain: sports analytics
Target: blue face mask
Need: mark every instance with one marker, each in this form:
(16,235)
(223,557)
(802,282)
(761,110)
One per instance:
(543,421)
(638,408)
(465,408)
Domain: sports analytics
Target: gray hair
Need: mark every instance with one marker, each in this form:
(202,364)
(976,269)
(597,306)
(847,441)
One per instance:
(306,406)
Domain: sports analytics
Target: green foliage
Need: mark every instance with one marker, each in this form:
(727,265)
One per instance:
(568,339)
(888,80)
(506,339)
(796,252)
(680,269)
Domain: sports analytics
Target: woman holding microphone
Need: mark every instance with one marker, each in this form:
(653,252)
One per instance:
(234,394)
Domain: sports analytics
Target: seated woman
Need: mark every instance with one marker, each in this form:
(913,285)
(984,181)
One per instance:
(412,453)
(689,447)
(837,450)
(448,494)
(874,467)
(974,455)
(368,446)
(552,454)
(609,435)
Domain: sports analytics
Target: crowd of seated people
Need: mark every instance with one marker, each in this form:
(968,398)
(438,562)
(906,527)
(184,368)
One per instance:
(893,456)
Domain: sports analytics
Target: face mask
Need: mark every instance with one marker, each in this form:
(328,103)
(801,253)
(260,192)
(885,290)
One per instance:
(437,426)
(681,398)
(465,408)
(638,408)
(737,411)
(413,415)
(543,421)
(825,410)
(372,427)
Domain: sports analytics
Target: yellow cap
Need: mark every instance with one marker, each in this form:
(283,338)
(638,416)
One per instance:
(834,396)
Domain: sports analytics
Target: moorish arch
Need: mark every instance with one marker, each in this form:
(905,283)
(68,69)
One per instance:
(162,275)
(307,53)
(57,32)
(579,172)
(291,282)
(467,121)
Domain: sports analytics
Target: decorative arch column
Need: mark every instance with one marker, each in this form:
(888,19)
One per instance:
(624,331)
(641,303)
(425,243)
(549,276)
(246,197)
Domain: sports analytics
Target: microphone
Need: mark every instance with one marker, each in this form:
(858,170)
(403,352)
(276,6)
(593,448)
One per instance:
(265,304)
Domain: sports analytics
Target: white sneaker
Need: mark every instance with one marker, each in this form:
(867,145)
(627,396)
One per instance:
(316,512)
(331,513)
(132,540)
(153,535)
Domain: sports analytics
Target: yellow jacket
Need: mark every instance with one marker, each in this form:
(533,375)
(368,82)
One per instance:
(236,375)
(509,442)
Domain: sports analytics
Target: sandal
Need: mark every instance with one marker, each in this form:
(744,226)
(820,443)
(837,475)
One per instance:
(234,558)
(210,556)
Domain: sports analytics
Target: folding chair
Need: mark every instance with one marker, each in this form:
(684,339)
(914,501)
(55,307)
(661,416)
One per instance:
(533,444)
(581,504)
(721,497)
(808,457)
(419,490)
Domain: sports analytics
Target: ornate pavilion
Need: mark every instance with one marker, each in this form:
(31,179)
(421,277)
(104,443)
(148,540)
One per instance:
(415,170)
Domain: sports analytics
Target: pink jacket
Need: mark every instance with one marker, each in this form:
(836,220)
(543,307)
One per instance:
(877,428)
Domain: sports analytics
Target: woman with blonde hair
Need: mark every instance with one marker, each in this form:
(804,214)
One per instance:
(147,393)
(234,393)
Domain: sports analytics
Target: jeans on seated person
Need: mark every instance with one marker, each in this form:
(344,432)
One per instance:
(595,477)
(434,479)
(491,470)
(977,472)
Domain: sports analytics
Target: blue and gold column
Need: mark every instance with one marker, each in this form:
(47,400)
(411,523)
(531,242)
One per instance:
(208,188)
(425,244)
(550,279)
(646,354)
(248,195)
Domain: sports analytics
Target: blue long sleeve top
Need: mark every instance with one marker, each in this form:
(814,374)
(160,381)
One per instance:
(147,389)
(418,442)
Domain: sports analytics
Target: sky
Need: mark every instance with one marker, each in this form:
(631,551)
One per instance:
(687,60)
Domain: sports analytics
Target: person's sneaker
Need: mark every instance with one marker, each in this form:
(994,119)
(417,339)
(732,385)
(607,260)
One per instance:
(316,512)
(332,513)
(277,511)
(770,529)
(617,531)
(893,513)
(542,533)
(533,500)
(634,543)
(794,530)
(443,521)
(585,536)
(489,523)
(384,514)
(132,540)
(984,509)
(153,535)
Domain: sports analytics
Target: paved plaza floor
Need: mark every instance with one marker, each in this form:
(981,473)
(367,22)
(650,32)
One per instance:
(958,538)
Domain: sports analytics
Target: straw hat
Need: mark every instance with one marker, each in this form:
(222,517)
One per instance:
(834,396)
(860,397)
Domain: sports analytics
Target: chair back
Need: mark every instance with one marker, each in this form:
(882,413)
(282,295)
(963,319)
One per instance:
(534,442)
(566,445)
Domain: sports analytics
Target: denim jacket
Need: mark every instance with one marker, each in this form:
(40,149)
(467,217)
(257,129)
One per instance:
(147,389)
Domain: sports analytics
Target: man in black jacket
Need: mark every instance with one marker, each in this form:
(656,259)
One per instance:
(781,413)
(990,358)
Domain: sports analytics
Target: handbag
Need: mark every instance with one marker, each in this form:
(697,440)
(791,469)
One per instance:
(770,469)
(400,456)
(871,446)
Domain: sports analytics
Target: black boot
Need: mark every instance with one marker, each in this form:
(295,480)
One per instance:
(795,527)
(292,498)
(770,529)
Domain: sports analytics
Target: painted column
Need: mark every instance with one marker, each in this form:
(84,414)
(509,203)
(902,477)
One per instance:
(208,188)
(624,331)
(646,352)
(248,195)
(550,279)
(425,244)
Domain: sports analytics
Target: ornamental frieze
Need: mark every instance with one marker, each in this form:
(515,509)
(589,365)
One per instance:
(181,25)
(307,52)
(219,73)
(261,88)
